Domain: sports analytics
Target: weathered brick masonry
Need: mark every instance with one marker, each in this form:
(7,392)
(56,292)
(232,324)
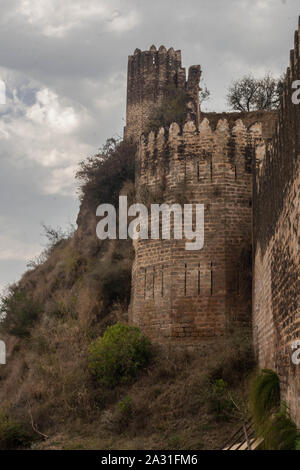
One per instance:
(150,74)
(276,277)
(221,161)
(190,294)
(178,294)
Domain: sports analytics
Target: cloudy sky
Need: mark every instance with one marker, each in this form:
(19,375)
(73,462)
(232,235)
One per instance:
(64,66)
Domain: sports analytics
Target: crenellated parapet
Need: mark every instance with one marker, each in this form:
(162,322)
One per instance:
(150,74)
(226,149)
(281,160)
(187,295)
(244,168)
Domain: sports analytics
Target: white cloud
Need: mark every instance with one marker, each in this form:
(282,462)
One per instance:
(56,18)
(111,92)
(122,23)
(49,112)
(65,68)
(44,134)
(61,181)
(14,249)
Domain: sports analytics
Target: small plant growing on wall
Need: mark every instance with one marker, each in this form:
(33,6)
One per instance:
(172,109)
(271,417)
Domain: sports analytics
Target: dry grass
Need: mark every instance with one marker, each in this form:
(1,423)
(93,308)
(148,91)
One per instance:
(46,384)
(170,404)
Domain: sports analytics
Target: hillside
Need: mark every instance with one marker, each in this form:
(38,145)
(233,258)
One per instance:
(182,400)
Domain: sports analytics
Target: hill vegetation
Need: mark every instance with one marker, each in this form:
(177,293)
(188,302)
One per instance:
(58,390)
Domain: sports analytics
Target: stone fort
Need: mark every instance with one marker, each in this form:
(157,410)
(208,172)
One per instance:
(244,168)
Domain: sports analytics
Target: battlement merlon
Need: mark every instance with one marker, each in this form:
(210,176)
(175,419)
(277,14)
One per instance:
(150,74)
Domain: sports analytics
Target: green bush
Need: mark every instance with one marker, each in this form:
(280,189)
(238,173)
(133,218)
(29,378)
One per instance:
(126,411)
(118,356)
(271,417)
(220,403)
(13,434)
(298,444)
(18,311)
(280,432)
(264,395)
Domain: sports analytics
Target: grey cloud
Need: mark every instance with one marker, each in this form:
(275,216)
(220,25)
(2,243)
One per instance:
(81,60)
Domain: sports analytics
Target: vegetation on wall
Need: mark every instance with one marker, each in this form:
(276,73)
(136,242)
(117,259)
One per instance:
(172,109)
(18,311)
(271,417)
(264,395)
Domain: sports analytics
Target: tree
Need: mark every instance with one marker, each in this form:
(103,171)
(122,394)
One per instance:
(251,94)
(204,94)
(103,175)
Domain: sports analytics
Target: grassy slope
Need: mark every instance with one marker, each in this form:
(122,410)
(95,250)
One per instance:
(46,383)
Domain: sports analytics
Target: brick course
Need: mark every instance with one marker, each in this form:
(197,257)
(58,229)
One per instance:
(276,276)
(244,168)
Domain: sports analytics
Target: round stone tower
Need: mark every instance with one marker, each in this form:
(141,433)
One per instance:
(177,294)
(150,74)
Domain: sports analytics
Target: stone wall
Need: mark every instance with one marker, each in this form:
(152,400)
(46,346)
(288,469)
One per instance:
(187,295)
(276,273)
(150,73)
(221,161)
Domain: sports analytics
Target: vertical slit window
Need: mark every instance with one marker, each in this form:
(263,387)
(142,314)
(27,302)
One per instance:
(199,283)
(153,282)
(185,278)
(145,283)
(211,171)
(211,279)
(198,171)
(162,281)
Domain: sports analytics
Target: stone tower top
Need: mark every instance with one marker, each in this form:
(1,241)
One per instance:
(150,74)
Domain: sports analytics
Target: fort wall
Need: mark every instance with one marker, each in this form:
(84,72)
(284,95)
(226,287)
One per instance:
(150,75)
(186,295)
(276,270)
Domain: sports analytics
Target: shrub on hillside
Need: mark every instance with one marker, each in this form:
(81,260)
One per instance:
(103,175)
(116,284)
(55,238)
(13,434)
(220,402)
(18,311)
(237,360)
(119,355)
